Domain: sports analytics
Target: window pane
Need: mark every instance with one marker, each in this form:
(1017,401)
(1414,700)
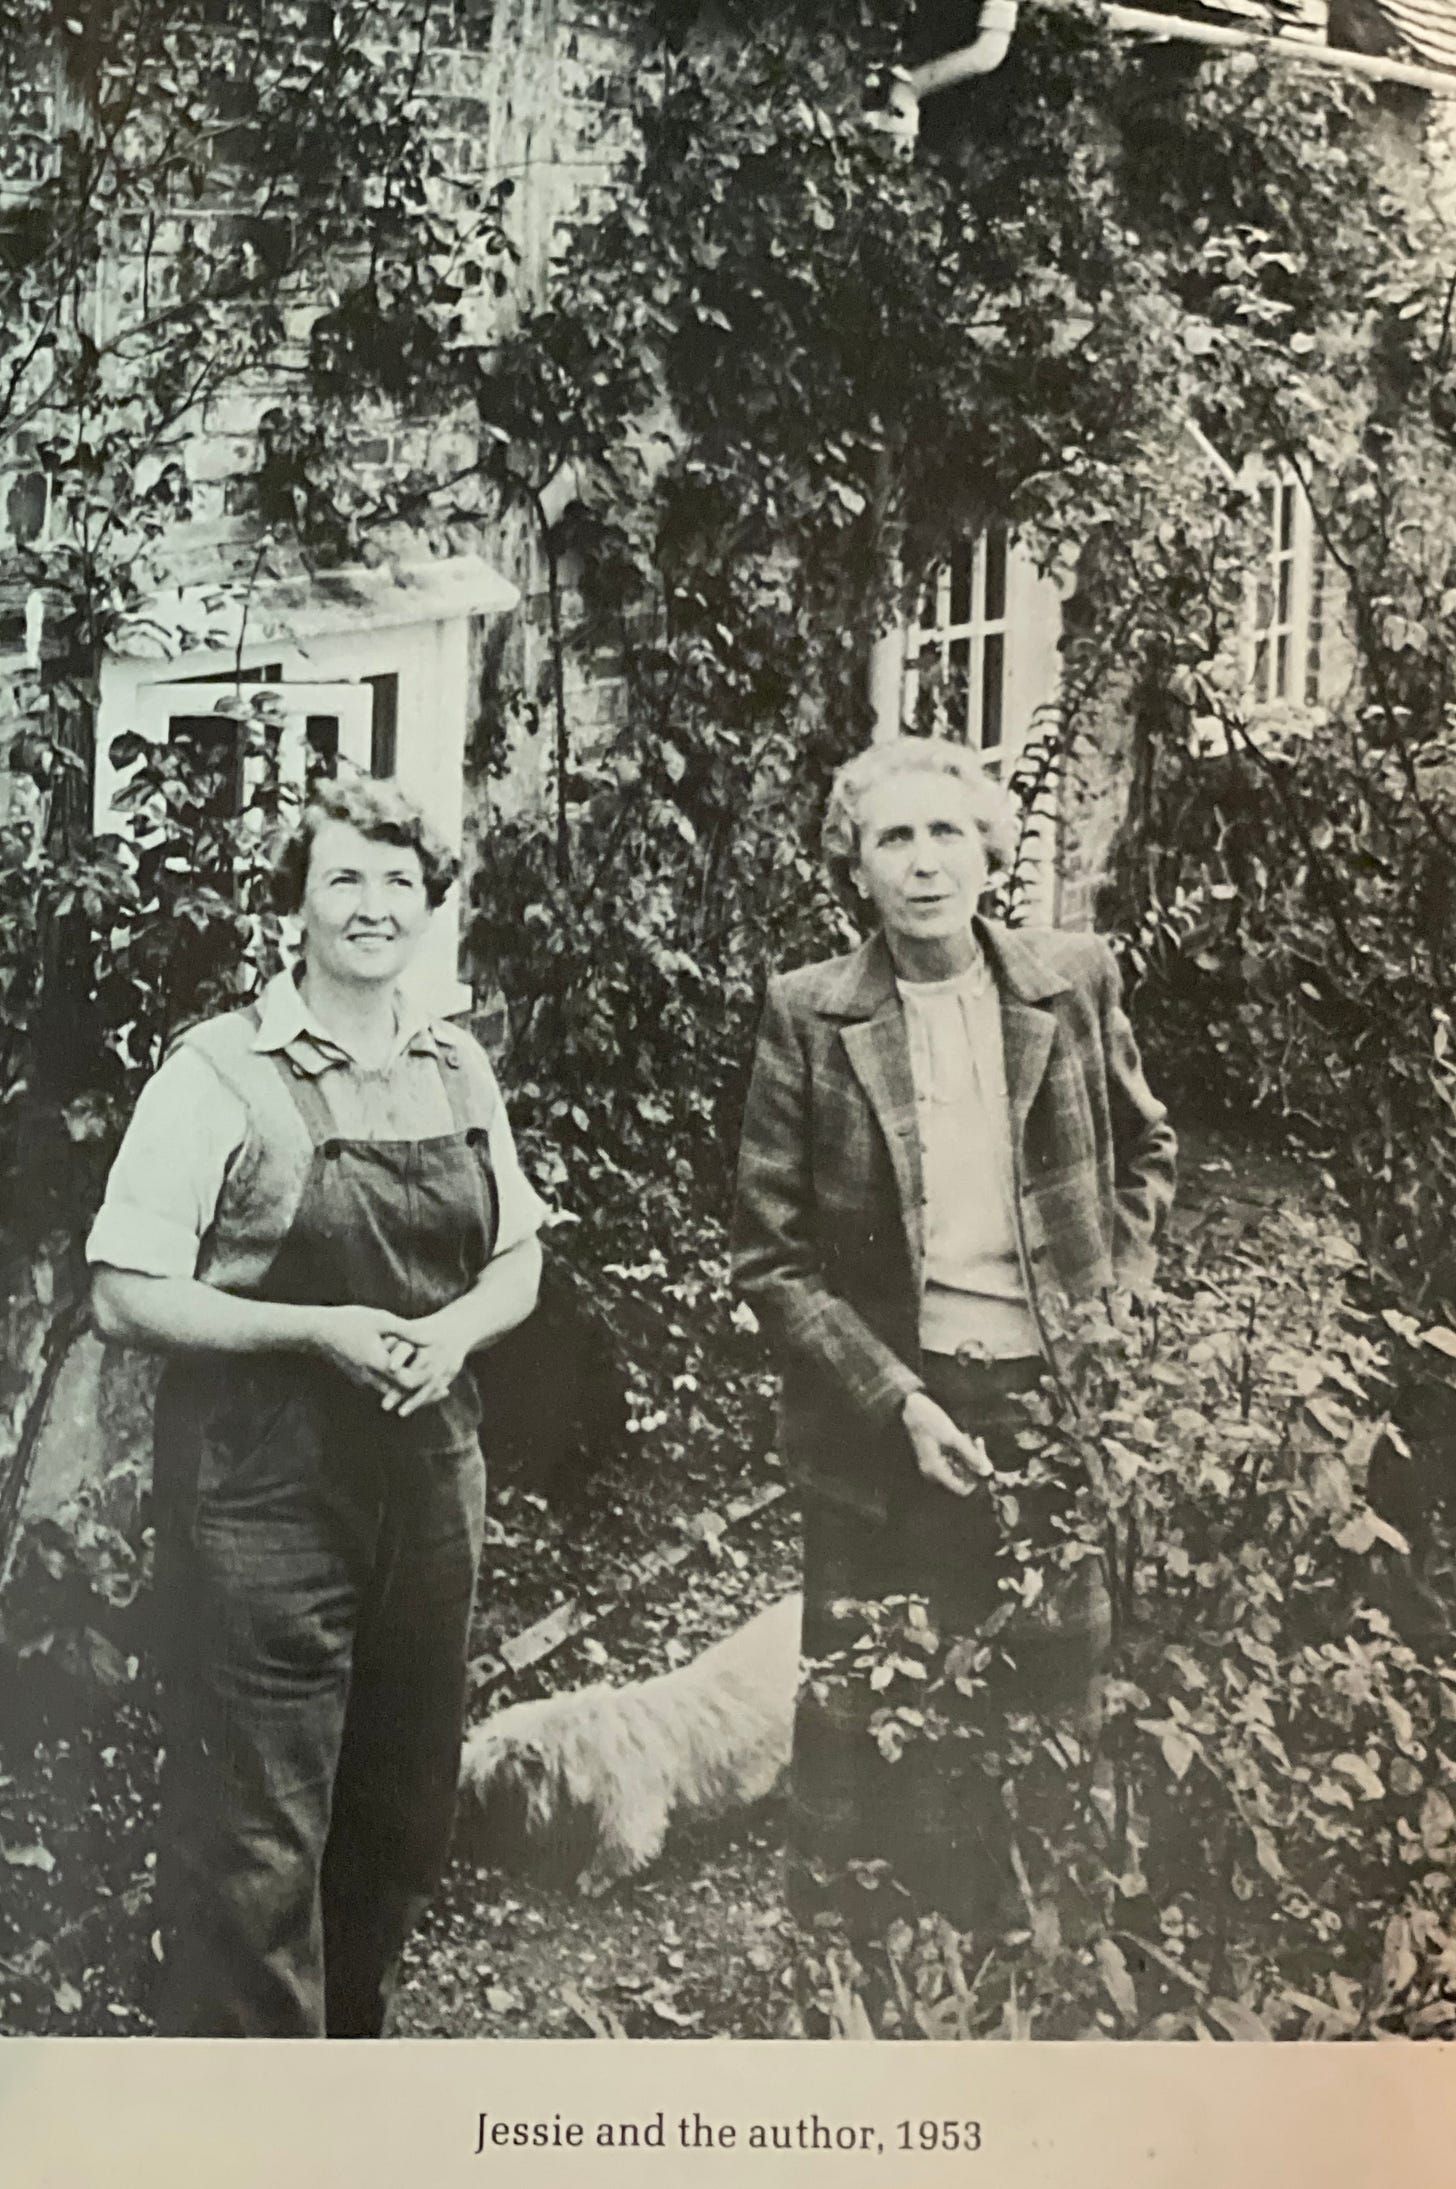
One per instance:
(1286,587)
(923,720)
(214,743)
(995,607)
(993,681)
(1261,669)
(958,689)
(962,563)
(384,724)
(321,734)
(1281,669)
(1286,518)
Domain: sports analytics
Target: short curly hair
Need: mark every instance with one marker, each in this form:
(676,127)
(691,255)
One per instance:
(990,806)
(378,810)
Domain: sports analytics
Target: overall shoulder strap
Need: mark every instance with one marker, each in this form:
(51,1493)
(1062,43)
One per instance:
(307,1095)
(229,1045)
(467,1079)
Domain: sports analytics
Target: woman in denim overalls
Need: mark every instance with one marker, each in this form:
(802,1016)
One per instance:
(317,1214)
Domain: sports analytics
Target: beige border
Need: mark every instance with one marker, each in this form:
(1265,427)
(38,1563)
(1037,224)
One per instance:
(82,2113)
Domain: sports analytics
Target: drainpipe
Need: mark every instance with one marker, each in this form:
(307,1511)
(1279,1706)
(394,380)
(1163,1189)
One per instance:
(899,117)
(994,26)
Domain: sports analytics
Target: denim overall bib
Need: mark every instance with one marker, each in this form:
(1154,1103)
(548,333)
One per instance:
(316,1564)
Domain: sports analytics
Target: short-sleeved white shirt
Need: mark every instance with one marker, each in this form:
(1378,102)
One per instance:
(212,1167)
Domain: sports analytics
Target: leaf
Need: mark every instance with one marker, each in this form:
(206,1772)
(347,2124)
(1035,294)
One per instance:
(1238,2021)
(599,2019)
(881,1677)
(1438,1820)
(1116,1981)
(1267,1854)
(1046,1930)
(1361,1533)
(1441,1340)
(1336,1420)
(34,1857)
(500,2000)
(1356,1768)
(1186,1665)
(1331,1488)
(1178,1752)
(1399,1965)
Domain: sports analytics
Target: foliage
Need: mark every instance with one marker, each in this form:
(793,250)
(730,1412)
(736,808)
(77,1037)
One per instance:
(193,203)
(1255,1842)
(1303,878)
(1287,868)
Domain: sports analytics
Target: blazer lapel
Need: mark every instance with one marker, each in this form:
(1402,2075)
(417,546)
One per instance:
(1026,1036)
(879,1056)
(1025,978)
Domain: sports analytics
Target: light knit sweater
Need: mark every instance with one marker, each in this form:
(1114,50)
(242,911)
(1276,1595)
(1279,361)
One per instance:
(975,1295)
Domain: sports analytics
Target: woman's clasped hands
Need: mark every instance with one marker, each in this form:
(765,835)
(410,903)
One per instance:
(410,1364)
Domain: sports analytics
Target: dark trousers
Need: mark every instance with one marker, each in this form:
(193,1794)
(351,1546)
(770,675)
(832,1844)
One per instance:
(316,1592)
(930,1826)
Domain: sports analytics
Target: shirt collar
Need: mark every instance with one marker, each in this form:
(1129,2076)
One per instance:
(285,1022)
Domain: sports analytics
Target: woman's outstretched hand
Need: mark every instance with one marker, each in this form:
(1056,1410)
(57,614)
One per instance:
(943,1453)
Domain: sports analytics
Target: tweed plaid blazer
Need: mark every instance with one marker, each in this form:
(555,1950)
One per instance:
(827,1237)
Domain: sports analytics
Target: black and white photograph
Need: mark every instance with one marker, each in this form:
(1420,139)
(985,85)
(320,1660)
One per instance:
(727,1030)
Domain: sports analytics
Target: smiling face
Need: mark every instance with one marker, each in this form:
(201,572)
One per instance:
(364,906)
(922,865)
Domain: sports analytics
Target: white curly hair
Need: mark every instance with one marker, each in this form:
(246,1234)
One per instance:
(990,807)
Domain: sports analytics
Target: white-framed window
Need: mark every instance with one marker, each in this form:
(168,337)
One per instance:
(330,705)
(361,669)
(979,661)
(1287,598)
(955,651)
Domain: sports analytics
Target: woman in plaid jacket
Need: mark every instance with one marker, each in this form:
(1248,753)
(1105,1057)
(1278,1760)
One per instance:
(948,1140)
